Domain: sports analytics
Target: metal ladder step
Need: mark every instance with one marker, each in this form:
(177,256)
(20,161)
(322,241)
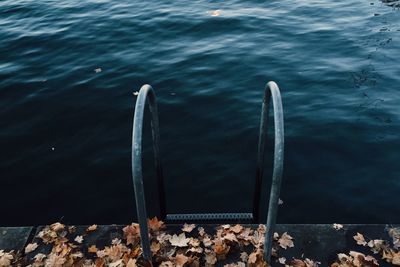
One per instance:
(209,217)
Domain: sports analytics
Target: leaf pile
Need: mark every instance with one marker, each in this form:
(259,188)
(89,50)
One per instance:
(388,252)
(192,246)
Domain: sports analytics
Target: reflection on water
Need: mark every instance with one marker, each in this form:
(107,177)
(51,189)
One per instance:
(68,71)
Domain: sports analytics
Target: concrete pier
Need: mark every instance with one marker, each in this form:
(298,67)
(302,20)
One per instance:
(319,242)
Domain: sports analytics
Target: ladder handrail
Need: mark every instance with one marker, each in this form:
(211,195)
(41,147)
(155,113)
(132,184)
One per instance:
(145,92)
(271,89)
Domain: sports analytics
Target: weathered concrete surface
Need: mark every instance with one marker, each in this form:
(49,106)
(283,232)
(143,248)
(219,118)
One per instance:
(319,242)
(14,238)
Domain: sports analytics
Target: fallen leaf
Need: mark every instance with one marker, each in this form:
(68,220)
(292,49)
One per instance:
(179,241)
(131,233)
(237,228)
(215,13)
(92,249)
(30,247)
(285,241)
(180,260)
(131,263)
(394,233)
(201,231)
(210,258)
(188,227)
(57,226)
(39,257)
(92,228)
(337,226)
(5,258)
(244,256)
(155,224)
(155,247)
(360,239)
(79,239)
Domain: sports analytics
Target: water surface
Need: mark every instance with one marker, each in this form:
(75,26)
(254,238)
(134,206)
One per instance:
(65,128)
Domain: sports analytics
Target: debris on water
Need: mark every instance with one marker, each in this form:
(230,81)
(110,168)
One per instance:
(337,226)
(215,13)
(98,70)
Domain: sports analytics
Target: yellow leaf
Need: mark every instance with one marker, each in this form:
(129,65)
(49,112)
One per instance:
(92,249)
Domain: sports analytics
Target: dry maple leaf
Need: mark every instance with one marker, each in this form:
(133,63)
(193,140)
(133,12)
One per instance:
(131,233)
(180,260)
(131,263)
(337,226)
(360,239)
(360,260)
(155,247)
(155,224)
(39,257)
(210,258)
(394,233)
(30,247)
(57,226)
(230,237)
(55,260)
(179,241)
(92,228)
(5,258)
(244,256)
(310,263)
(79,239)
(252,258)
(201,231)
(237,228)
(396,259)
(92,249)
(188,227)
(194,242)
(220,248)
(285,241)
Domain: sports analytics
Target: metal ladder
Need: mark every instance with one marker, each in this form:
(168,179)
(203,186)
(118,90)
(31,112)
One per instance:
(147,93)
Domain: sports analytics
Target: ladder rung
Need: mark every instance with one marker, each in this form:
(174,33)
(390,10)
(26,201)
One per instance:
(209,216)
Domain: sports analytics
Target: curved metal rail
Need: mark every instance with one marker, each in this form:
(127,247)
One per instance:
(146,92)
(271,89)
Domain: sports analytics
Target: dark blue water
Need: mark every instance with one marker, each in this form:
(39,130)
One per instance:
(65,129)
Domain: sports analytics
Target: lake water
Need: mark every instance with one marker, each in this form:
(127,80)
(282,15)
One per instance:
(68,70)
